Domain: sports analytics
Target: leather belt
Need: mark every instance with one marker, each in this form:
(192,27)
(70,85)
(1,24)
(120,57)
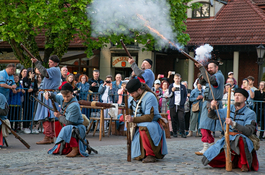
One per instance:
(233,133)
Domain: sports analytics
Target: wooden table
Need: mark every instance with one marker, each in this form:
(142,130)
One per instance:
(101,120)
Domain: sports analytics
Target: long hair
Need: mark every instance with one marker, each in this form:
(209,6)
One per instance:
(72,83)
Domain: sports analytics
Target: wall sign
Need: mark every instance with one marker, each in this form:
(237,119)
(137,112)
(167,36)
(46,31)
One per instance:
(121,61)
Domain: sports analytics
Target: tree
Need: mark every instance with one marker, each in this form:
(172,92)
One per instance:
(59,21)
(62,21)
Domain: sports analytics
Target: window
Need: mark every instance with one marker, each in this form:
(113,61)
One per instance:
(202,12)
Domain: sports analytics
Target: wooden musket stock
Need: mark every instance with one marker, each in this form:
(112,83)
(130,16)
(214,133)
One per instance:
(30,54)
(228,161)
(124,47)
(15,134)
(128,130)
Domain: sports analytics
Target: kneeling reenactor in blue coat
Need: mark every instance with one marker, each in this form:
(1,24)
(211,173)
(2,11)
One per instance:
(71,137)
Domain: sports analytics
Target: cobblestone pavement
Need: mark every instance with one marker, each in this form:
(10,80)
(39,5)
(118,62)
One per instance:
(110,160)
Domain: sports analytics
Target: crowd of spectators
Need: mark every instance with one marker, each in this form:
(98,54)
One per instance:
(175,98)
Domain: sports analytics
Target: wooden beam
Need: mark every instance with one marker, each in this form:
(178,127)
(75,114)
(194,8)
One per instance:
(9,61)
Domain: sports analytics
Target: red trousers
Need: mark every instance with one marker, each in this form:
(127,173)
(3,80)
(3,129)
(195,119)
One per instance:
(207,136)
(146,144)
(68,146)
(48,128)
(238,160)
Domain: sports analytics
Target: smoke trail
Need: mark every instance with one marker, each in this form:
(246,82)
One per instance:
(203,53)
(120,17)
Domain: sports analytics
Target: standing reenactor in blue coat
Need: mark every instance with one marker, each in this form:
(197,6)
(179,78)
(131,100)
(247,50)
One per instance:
(51,82)
(206,124)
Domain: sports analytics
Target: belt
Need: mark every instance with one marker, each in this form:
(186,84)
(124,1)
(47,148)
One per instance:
(52,90)
(233,133)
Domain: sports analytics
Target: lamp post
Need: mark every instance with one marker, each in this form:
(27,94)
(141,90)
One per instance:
(260,52)
(260,61)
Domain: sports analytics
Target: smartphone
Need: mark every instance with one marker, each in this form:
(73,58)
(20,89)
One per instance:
(173,72)
(161,76)
(108,81)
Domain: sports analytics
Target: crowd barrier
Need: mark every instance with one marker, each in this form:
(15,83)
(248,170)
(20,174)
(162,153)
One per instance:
(22,109)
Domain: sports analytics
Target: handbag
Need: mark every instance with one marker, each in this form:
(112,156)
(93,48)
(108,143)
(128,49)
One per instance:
(196,107)
(255,140)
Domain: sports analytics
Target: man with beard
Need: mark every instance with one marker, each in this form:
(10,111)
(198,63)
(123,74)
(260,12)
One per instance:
(242,124)
(145,74)
(206,124)
(51,82)
(149,141)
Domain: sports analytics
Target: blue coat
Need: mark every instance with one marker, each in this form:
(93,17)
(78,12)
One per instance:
(194,94)
(183,94)
(154,129)
(205,121)
(72,114)
(244,117)
(3,103)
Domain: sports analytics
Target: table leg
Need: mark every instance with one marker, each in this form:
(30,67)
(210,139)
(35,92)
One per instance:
(101,129)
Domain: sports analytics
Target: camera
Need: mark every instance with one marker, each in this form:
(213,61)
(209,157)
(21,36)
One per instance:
(108,81)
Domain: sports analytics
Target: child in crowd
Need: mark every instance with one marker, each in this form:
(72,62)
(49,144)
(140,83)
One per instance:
(15,104)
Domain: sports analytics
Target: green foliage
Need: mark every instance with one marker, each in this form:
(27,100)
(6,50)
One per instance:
(59,21)
(62,21)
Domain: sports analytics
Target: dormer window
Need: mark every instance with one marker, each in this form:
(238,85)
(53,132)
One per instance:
(202,12)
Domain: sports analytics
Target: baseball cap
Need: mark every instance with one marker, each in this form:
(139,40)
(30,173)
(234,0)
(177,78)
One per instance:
(157,82)
(230,73)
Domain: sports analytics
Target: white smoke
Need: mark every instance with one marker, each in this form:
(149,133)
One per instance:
(120,17)
(203,53)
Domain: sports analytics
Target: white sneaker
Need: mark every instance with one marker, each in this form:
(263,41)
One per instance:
(41,130)
(27,131)
(35,131)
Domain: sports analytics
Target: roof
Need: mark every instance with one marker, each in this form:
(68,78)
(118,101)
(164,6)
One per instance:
(240,22)
(40,39)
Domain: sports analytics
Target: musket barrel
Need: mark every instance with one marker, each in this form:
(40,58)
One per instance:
(188,56)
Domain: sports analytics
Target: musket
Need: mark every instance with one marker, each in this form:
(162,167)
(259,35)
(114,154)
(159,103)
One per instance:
(128,129)
(126,50)
(15,134)
(30,54)
(188,56)
(228,162)
(89,148)
(45,105)
(55,110)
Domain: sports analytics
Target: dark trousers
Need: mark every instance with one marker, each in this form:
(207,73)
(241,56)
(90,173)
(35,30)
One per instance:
(187,120)
(178,121)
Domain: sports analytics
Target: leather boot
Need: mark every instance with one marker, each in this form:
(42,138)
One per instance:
(46,140)
(73,153)
(190,134)
(244,168)
(149,159)
(205,147)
